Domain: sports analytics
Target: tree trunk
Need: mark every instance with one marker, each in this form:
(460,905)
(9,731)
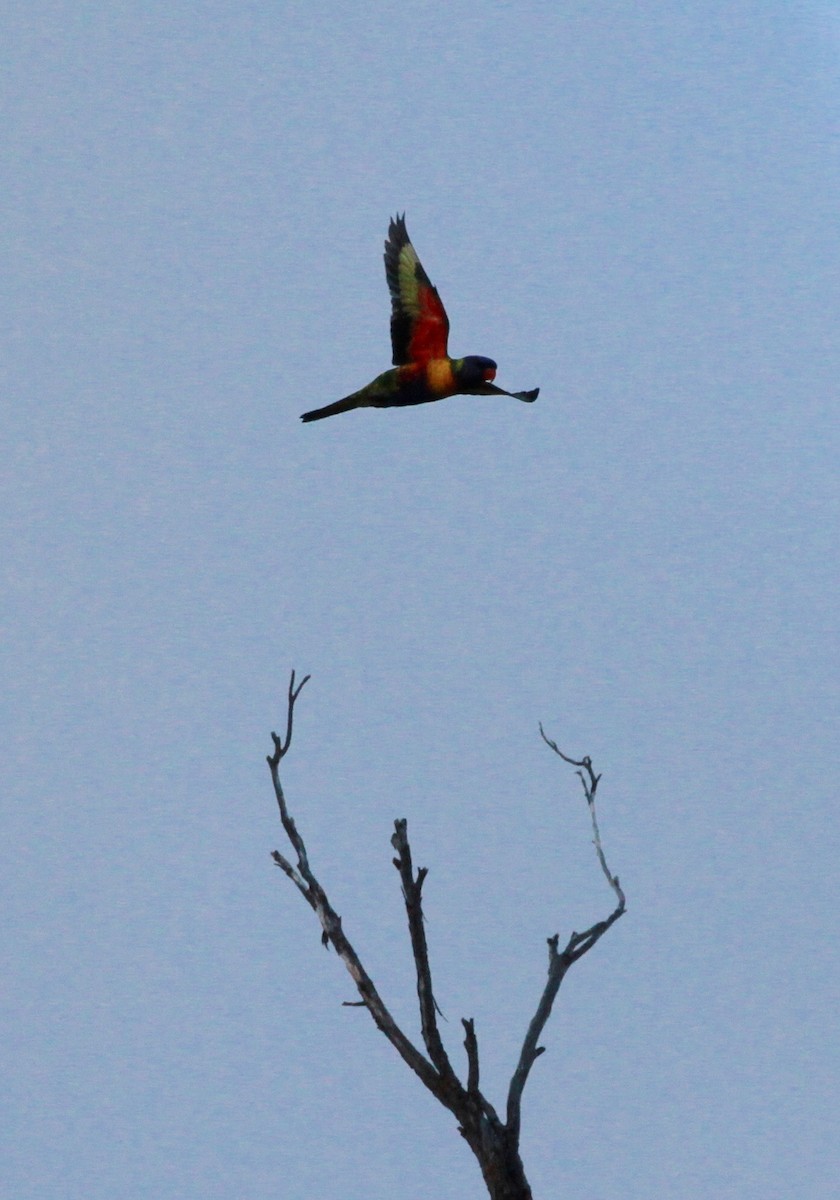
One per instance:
(497,1152)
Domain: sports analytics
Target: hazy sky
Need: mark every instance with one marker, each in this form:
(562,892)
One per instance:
(632,206)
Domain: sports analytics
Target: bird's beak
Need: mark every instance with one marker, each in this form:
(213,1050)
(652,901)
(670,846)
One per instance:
(489,375)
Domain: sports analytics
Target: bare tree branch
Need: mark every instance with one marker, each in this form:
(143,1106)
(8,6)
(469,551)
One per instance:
(559,963)
(412,887)
(316,897)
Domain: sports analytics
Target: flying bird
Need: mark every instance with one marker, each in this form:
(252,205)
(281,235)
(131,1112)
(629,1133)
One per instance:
(423,370)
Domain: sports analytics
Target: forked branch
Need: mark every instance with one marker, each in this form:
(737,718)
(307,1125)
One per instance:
(560,961)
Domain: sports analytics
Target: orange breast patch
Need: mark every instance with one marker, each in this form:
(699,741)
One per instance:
(439,376)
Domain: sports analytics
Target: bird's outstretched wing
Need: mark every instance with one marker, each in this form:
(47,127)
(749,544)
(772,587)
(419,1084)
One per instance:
(490,389)
(419,324)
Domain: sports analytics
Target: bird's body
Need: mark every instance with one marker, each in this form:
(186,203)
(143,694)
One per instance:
(423,370)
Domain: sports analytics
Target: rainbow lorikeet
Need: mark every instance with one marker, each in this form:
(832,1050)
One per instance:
(423,370)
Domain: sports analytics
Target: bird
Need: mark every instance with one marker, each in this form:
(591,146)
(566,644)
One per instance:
(423,370)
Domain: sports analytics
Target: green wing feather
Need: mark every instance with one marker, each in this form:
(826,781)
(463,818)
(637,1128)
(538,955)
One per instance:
(419,324)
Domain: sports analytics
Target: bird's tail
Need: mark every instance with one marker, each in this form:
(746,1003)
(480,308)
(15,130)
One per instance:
(330,410)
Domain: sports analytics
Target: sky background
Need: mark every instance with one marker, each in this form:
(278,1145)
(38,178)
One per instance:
(632,206)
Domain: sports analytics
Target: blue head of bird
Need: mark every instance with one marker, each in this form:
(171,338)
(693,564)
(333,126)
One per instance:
(475,370)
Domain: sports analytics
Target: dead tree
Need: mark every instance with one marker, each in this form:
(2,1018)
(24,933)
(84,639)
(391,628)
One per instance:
(493,1140)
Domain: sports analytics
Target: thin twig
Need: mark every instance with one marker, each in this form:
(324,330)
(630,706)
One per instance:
(590,786)
(281,746)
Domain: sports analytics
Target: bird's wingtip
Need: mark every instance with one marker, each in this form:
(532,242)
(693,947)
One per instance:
(397,232)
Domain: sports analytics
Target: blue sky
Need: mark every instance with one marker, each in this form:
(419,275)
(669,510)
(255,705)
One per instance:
(630,206)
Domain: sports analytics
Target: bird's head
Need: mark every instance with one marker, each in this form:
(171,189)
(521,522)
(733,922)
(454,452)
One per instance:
(475,370)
